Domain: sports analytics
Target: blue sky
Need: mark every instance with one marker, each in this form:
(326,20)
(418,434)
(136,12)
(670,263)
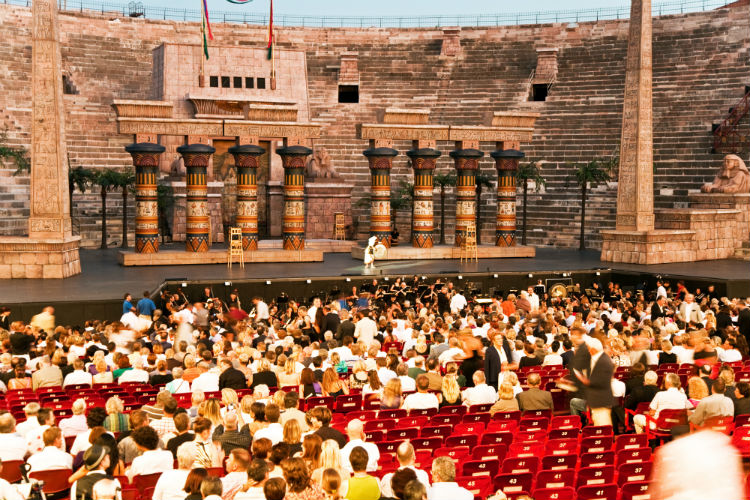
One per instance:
(390,7)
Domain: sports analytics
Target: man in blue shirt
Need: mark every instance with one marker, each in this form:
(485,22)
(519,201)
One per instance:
(146,306)
(127,305)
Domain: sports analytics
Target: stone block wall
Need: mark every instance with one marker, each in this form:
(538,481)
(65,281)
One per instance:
(701,65)
(322,201)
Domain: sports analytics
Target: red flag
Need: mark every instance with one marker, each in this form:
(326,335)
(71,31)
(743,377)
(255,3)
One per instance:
(208,24)
(270,32)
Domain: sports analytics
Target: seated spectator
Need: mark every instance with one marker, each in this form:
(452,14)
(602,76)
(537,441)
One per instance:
(182,427)
(116,420)
(136,373)
(236,476)
(297,478)
(257,474)
(264,375)
(715,405)
(52,455)
(356,434)
(30,410)
(530,358)
(398,482)
(211,488)
(165,487)
(178,385)
(730,354)
(312,447)
(208,454)
(435,380)
(415,490)
(12,446)
(152,459)
(330,483)
(481,393)
(362,486)
(293,437)
(274,431)
(78,375)
(193,484)
(292,411)
(95,418)
(207,381)
(165,425)
(275,489)
(643,393)
(127,447)
(162,376)
(20,380)
(535,398)
(96,461)
(742,399)
(75,424)
(506,399)
(451,391)
(34,440)
(231,377)
(373,385)
(697,389)
(392,397)
(230,436)
(406,457)
(444,486)
(320,420)
(671,398)
(666,355)
(330,458)
(422,398)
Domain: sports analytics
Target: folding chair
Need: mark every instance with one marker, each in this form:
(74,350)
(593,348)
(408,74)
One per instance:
(391,414)
(593,476)
(664,423)
(480,467)
(489,451)
(598,492)
(525,450)
(633,472)
(442,431)
(554,494)
(402,434)
(427,443)
(313,402)
(457,453)
(519,465)
(638,490)
(513,482)
(497,438)
(559,462)
(550,479)
(630,441)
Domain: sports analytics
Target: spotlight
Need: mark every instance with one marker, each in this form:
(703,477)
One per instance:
(386,278)
(309,281)
(460,277)
(424,277)
(184,285)
(348,280)
(268,282)
(598,273)
(227,283)
(531,275)
(494,275)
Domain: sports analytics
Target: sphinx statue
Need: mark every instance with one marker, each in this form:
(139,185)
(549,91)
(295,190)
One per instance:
(732,178)
(320,167)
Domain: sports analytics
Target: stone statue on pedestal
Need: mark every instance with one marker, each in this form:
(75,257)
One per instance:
(320,167)
(732,178)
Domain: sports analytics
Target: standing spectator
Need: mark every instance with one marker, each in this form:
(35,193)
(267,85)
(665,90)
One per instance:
(145,307)
(598,383)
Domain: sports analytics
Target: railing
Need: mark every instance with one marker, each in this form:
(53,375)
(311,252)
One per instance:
(243,15)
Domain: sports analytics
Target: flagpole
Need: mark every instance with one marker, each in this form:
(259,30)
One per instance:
(201,75)
(272,41)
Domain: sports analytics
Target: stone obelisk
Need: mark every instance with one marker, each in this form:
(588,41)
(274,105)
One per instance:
(635,189)
(50,207)
(50,251)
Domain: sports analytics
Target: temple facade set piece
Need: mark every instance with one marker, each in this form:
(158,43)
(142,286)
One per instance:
(286,161)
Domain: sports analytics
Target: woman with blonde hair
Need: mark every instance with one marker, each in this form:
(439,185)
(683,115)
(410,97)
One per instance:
(393,397)
(358,378)
(289,376)
(264,376)
(506,399)
(245,404)
(451,391)
(229,401)
(292,435)
(103,373)
(330,458)
(332,385)
(697,390)
(211,410)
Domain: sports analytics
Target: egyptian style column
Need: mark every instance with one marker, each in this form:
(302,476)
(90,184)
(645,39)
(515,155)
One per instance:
(146,161)
(506,163)
(423,161)
(197,223)
(293,159)
(467,164)
(381,161)
(246,159)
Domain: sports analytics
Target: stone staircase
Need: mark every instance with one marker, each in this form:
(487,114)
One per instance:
(743,253)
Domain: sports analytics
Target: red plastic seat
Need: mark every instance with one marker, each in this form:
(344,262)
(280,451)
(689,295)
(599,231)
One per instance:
(480,467)
(507,415)
(523,450)
(469,440)
(630,441)
(388,446)
(598,492)
(402,434)
(598,459)
(55,481)
(593,476)
(442,431)
(638,490)
(375,436)
(391,414)
(457,453)
(633,472)
(347,403)
(534,423)
(212,471)
(427,443)
(469,428)
(551,479)
(423,412)
(489,451)
(502,426)
(664,423)
(11,470)
(413,421)
(596,444)
(479,486)
(741,439)
(142,482)
(513,483)
(565,422)
(532,436)
(480,408)
(380,425)
(559,462)
(633,455)
(554,494)
(564,433)
(519,465)
(497,438)
(453,410)
(561,447)
(482,418)
(536,414)
(363,415)
(313,402)
(451,420)
(602,430)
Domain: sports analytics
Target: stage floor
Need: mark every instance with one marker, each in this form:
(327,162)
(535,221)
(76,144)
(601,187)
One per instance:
(104,279)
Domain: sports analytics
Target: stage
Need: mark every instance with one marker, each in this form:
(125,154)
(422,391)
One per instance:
(98,291)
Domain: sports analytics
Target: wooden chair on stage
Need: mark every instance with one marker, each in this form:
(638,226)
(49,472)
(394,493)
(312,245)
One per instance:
(235,247)
(469,244)
(339,228)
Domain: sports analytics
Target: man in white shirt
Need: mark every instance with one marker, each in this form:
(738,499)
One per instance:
(207,381)
(356,434)
(178,385)
(458,302)
(730,353)
(405,456)
(12,446)
(533,299)
(689,311)
(52,456)
(274,431)
(78,375)
(444,485)
(34,438)
(408,384)
(166,485)
(670,399)
(152,460)
(451,354)
(421,399)
(365,329)
(236,476)
(660,290)
(481,393)
(30,410)
(137,373)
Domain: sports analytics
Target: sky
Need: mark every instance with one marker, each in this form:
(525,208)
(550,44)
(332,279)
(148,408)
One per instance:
(390,7)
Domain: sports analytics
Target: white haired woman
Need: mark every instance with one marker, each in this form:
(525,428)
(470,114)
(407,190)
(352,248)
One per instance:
(76,424)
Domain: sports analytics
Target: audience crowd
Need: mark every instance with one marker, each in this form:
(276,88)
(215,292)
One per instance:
(223,380)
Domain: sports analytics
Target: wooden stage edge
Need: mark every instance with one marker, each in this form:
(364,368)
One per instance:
(448,252)
(216,256)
